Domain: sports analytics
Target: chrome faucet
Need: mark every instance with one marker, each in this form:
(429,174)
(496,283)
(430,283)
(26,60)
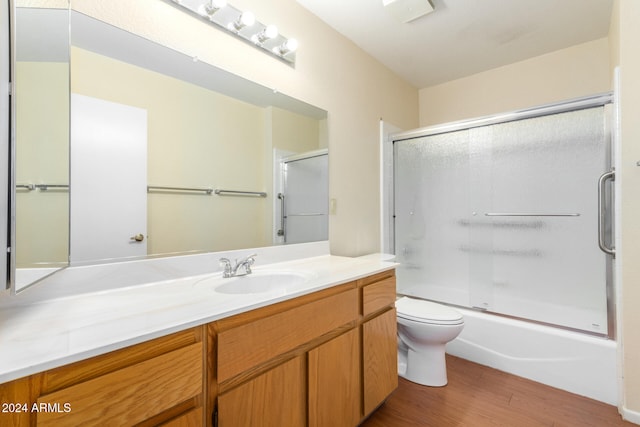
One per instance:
(230,271)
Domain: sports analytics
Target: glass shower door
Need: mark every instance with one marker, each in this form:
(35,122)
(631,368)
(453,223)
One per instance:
(432,200)
(306,203)
(504,218)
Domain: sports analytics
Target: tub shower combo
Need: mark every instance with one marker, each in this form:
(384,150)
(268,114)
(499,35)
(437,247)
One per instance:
(509,219)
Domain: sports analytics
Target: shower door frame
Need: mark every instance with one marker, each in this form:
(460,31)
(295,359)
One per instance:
(592,101)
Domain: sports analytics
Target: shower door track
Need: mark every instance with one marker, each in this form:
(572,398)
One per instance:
(544,110)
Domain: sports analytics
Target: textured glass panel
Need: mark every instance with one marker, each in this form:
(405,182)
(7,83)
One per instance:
(431,201)
(307,199)
(550,267)
(504,217)
(303,229)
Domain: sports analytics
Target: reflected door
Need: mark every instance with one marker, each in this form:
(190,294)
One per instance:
(108,180)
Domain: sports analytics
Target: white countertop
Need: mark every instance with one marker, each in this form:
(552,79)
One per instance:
(38,334)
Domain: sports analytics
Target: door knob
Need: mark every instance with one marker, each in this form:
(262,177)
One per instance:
(137,238)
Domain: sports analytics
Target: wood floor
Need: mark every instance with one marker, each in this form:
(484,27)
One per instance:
(478,396)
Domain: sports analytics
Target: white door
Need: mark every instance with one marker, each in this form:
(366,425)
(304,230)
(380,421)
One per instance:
(108,180)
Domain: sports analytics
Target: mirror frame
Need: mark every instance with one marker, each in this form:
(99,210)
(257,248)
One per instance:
(7,40)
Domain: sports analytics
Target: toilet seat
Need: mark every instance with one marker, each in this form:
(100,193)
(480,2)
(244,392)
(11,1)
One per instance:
(422,311)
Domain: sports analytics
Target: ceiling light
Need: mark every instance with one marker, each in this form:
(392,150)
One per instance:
(405,11)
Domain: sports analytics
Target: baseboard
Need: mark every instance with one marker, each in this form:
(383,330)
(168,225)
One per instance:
(629,415)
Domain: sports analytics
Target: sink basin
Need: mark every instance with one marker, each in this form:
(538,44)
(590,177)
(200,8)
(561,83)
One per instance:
(280,281)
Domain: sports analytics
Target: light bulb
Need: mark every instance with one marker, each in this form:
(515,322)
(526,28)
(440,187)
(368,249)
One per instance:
(269,32)
(247,18)
(288,46)
(291,45)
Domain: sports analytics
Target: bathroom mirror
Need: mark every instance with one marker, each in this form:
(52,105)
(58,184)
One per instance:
(41,166)
(164,154)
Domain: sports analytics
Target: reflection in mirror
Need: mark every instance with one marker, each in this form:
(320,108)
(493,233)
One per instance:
(153,134)
(42,142)
(303,196)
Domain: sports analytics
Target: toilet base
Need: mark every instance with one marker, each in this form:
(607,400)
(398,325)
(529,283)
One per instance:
(428,367)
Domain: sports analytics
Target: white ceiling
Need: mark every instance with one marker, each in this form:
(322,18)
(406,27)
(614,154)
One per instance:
(464,37)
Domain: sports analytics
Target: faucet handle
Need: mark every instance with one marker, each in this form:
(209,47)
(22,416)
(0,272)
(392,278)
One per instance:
(249,263)
(226,263)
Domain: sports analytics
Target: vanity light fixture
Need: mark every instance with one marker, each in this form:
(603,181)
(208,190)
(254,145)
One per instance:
(242,24)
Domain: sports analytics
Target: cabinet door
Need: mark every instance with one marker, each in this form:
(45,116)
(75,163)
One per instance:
(380,359)
(334,382)
(276,398)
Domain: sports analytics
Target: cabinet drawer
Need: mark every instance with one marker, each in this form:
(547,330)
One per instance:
(129,395)
(378,295)
(244,347)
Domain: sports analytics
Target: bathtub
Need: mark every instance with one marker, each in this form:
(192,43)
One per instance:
(571,361)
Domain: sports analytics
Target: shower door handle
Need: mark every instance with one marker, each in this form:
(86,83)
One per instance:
(281,231)
(611,175)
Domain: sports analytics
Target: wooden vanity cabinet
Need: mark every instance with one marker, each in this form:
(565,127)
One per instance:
(271,362)
(334,382)
(324,359)
(153,383)
(380,359)
(379,339)
(273,398)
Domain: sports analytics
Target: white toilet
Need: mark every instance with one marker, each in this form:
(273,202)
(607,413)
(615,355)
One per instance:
(424,329)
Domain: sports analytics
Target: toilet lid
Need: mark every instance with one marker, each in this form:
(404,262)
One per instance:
(424,311)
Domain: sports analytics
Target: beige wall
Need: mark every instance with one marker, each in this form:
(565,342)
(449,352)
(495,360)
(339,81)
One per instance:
(42,152)
(625,35)
(294,132)
(331,73)
(569,73)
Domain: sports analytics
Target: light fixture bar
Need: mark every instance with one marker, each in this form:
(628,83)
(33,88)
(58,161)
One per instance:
(243,25)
